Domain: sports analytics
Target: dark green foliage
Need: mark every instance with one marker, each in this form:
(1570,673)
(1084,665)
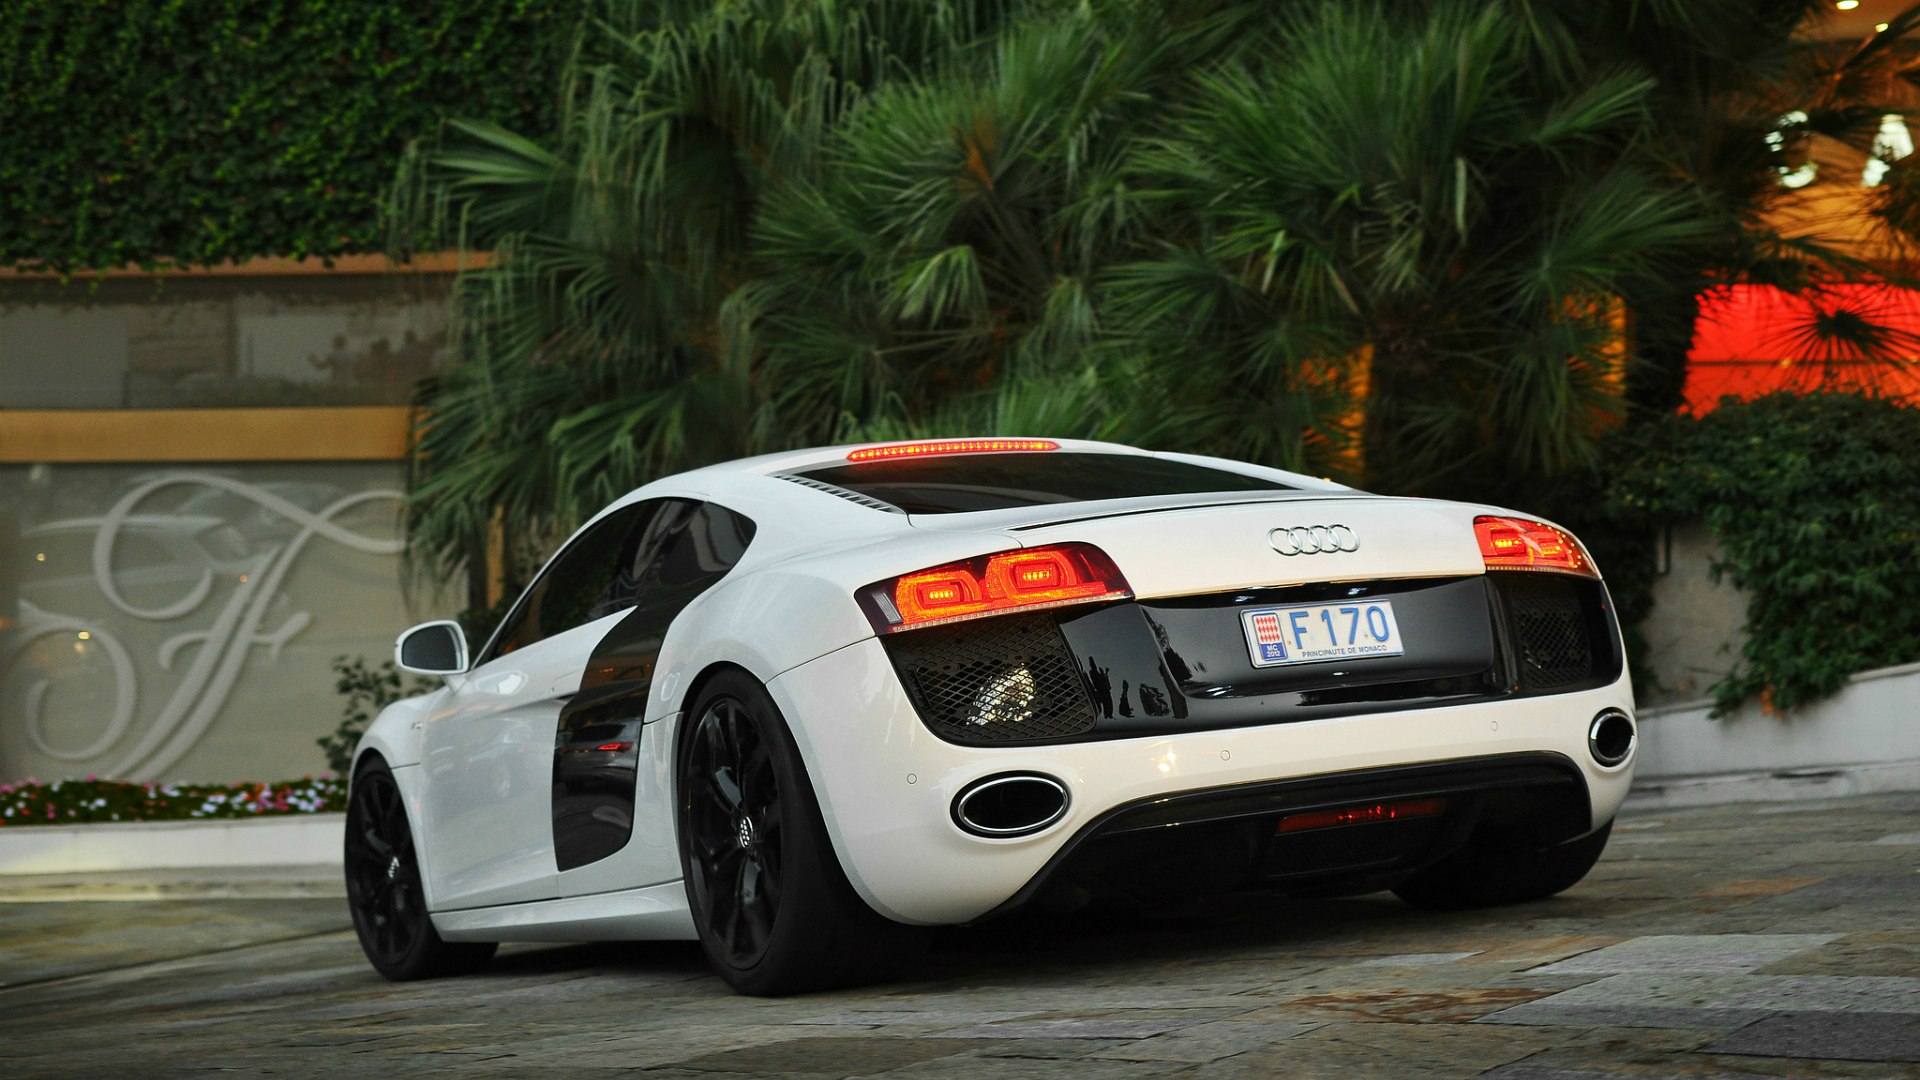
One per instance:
(368,688)
(611,338)
(1198,225)
(155,131)
(1815,504)
(1429,188)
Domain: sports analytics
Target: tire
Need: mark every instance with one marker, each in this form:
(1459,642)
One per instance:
(1488,874)
(772,905)
(383,887)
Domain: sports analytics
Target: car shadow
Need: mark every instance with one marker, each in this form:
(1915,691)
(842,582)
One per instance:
(1082,943)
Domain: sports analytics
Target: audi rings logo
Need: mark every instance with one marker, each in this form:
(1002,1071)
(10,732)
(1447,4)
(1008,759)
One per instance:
(1314,539)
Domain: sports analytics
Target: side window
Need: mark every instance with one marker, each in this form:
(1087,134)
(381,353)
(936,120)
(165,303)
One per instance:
(583,582)
(701,548)
(640,552)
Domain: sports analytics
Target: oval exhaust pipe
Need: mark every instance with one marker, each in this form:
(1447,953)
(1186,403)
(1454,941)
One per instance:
(1610,738)
(1009,805)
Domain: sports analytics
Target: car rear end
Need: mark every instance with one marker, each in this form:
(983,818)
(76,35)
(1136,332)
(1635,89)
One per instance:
(1290,686)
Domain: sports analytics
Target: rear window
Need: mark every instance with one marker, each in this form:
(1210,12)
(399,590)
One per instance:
(963,482)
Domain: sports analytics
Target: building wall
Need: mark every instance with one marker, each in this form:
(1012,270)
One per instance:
(200,497)
(1697,626)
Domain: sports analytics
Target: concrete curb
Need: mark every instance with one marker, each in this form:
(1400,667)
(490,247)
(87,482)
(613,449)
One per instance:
(290,840)
(204,883)
(1782,785)
(1869,724)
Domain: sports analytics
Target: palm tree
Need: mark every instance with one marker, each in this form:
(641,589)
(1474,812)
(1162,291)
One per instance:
(1419,189)
(1769,123)
(941,271)
(1212,225)
(604,342)
(1487,217)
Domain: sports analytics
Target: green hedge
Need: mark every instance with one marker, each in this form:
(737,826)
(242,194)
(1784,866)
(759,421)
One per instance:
(197,131)
(1814,502)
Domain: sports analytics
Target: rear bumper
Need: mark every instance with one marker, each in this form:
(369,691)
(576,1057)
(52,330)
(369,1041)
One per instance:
(886,784)
(1242,835)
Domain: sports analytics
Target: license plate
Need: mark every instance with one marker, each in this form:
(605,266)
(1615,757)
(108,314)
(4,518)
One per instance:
(1313,632)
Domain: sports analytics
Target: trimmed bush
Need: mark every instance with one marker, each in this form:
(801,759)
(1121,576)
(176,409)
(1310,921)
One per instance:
(77,802)
(152,131)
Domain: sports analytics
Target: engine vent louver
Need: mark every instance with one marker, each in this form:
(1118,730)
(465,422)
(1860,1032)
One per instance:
(1550,630)
(999,680)
(839,492)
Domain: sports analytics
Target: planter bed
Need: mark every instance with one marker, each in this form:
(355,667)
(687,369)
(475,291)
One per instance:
(1862,740)
(281,840)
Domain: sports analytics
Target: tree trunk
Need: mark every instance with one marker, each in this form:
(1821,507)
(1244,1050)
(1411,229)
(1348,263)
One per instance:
(1659,334)
(1403,374)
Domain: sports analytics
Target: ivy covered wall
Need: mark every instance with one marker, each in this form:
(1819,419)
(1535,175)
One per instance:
(198,131)
(1814,504)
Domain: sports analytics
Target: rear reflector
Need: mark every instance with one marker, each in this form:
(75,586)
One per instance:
(1362,815)
(1508,543)
(951,446)
(1025,580)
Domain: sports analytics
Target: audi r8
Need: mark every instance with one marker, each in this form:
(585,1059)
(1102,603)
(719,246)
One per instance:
(801,707)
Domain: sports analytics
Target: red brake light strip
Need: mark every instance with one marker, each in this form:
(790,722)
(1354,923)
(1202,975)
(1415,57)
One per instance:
(1362,815)
(950,446)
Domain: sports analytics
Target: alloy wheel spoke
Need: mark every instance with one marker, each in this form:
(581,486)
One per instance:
(731,916)
(381,849)
(755,911)
(734,821)
(726,863)
(725,790)
(383,868)
(767,825)
(722,729)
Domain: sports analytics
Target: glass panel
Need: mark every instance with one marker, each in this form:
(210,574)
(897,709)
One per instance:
(179,623)
(963,482)
(219,341)
(582,583)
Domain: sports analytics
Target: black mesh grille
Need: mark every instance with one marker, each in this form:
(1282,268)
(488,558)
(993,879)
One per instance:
(1550,629)
(993,680)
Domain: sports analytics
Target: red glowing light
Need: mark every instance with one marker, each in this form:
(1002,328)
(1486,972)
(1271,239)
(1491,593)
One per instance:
(951,446)
(1012,580)
(1362,815)
(1752,340)
(1518,544)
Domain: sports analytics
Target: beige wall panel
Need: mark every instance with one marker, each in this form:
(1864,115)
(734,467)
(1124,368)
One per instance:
(368,433)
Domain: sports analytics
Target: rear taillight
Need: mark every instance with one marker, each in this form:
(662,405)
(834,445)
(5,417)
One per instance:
(1508,543)
(1025,580)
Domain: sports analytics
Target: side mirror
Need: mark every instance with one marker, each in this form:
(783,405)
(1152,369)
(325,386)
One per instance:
(434,648)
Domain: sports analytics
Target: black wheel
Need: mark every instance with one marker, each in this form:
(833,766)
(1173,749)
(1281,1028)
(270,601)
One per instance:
(383,887)
(1489,874)
(773,907)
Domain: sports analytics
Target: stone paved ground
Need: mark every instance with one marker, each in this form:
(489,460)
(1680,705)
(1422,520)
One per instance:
(1729,942)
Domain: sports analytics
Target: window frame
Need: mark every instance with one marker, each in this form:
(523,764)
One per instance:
(489,653)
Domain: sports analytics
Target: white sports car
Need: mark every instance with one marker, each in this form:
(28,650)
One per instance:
(801,706)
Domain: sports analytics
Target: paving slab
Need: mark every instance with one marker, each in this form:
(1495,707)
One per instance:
(1689,952)
(1848,1037)
(1713,942)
